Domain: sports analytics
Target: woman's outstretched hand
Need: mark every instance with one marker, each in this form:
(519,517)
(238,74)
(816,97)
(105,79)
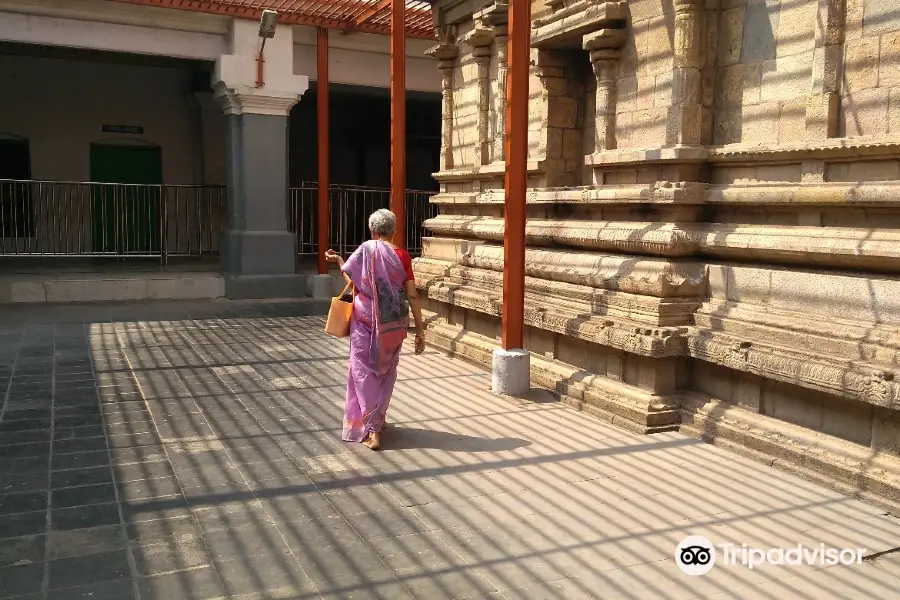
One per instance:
(332,256)
(420,343)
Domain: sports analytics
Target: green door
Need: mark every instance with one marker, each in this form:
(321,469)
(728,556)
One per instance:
(126,217)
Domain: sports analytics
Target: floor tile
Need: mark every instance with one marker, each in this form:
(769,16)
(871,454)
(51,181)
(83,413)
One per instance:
(86,444)
(81,460)
(164,531)
(22,502)
(231,515)
(33,413)
(21,580)
(83,496)
(24,424)
(22,550)
(25,450)
(141,471)
(452,584)
(375,587)
(63,410)
(341,565)
(168,556)
(20,437)
(87,570)
(155,508)
(250,540)
(387,523)
(23,465)
(24,482)
(77,421)
(149,488)
(32,523)
(421,550)
(134,440)
(84,517)
(197,584)
(265,577)
(110,590)
(84,542)
(80,477)
(70,433)
(139,454)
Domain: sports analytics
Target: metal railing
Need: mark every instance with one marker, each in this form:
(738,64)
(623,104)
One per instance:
(350,207)
(83,219)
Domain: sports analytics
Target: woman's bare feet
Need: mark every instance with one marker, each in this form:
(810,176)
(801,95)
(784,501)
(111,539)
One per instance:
(372,442)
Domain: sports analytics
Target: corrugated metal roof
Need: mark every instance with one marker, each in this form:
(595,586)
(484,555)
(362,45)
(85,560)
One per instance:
(369,16)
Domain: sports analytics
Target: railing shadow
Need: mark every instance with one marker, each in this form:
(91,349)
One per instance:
(223,473)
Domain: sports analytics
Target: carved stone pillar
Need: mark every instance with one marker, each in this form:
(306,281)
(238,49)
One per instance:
(501,36)
(685,124)
(824,101)
(496,18)
(446,55)
(604,51)
(480,40)
(447,67)
(604,63)
(552,114)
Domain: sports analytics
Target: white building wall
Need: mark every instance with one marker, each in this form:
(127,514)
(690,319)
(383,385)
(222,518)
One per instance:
(122,13)
(96,35)
(61,106)
(153,98)
(364,59)
(354,59)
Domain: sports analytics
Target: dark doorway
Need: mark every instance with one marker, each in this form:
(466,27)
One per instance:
(16,211)
(126,218)
(360,124)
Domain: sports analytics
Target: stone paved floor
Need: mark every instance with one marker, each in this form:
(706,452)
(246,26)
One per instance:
(191,451)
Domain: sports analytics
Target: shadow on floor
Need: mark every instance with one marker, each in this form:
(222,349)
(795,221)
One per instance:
(413,438)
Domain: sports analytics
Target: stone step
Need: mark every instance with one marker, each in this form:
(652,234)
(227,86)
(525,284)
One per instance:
(853,469)
(64,287)
(100,287)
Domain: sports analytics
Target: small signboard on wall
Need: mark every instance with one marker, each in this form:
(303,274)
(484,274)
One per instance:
(132,129)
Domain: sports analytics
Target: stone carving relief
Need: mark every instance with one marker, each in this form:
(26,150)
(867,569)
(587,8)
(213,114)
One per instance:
(862,247)
(645,259)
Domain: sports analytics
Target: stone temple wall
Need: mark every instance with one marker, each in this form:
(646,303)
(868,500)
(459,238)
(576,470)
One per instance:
(713,219)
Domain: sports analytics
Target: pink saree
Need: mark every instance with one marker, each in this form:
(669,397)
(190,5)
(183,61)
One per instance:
(378,329)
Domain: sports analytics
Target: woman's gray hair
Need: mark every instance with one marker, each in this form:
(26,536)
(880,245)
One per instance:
(383,222)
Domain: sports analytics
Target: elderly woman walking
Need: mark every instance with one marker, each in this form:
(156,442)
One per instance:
(382,275)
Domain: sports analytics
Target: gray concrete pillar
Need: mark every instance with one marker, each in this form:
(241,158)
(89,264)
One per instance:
(258,253)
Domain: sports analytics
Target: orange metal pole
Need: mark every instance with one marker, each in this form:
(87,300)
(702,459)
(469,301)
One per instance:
(323,133)
(398,118)
(516,175)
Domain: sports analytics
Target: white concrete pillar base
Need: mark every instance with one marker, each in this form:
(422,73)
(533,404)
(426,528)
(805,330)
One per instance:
(321,287)
(511,373)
